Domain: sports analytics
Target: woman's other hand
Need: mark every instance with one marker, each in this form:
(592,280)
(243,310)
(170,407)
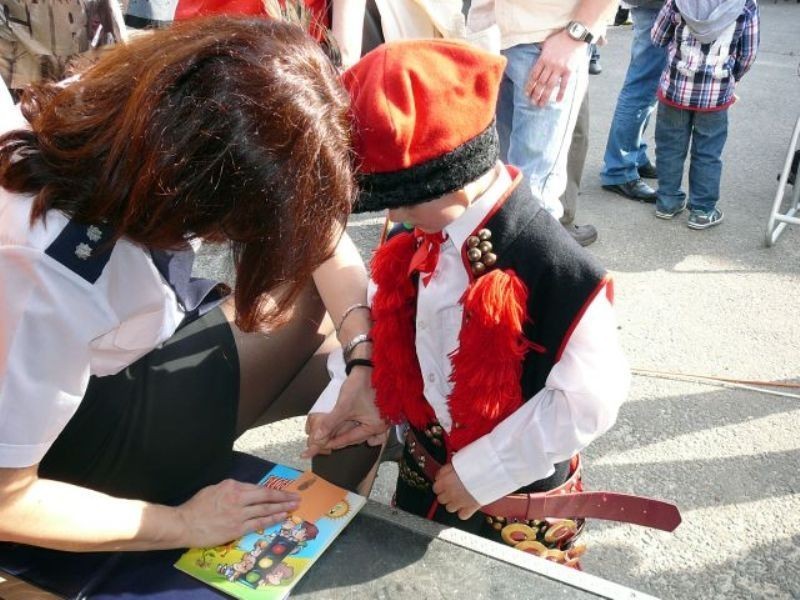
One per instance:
(230,509)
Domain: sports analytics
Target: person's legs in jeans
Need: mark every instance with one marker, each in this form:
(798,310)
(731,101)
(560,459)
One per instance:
(705,170)
(673,132)
(297,354)
(539,137)
(625,148)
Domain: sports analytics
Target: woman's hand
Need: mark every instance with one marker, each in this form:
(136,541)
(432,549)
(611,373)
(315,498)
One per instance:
(354,419)
(230,509)
(62,516)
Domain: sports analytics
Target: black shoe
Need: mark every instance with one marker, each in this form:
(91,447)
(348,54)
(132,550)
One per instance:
(595,68)
(622,17)
(647,171)
(583,234)
(635,190)
(795,166)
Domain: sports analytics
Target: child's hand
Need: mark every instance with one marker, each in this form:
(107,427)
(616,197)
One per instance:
(316,443)
(354,419)
(452,494)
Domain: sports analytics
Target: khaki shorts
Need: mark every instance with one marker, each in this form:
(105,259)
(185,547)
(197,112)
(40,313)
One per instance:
(38,39)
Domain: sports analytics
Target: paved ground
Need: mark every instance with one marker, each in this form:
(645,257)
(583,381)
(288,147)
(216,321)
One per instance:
(716,303)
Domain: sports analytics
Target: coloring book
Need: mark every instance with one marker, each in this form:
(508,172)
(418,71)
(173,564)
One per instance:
(266,564)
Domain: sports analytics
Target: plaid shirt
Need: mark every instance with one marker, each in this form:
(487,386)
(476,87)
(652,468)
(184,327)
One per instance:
(703,76)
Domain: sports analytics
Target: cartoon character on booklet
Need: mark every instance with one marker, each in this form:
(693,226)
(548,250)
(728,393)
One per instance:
(268,554)
(234,571)
(293,536)
(277,575)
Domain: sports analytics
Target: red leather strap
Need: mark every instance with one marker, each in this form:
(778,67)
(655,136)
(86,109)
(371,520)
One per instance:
(560,502)
(612,506)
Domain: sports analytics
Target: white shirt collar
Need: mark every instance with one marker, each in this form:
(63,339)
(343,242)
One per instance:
(459,230)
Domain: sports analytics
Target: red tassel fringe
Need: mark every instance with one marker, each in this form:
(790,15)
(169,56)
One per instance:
(487,366)
(396,376)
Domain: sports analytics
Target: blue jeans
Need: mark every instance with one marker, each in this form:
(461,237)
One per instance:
(536,139)
(676,130)
(625,148)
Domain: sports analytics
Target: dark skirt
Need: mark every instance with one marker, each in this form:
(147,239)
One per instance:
(161,428)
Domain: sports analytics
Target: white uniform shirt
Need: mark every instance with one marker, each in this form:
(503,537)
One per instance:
(580,399)
(57,329)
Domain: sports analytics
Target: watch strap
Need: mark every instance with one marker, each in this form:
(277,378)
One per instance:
(587,35)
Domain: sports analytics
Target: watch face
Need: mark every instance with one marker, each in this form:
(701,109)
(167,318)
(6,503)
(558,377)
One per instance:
(577,30)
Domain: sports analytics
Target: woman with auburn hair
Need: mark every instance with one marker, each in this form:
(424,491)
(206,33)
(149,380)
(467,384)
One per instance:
(123,380)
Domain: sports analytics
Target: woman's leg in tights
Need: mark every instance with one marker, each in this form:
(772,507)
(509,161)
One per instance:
(282,373)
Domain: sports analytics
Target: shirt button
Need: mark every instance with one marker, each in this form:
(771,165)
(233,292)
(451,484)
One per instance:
(422,324)
(431,377)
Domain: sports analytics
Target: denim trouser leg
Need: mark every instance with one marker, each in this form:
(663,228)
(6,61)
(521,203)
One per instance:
(709,133)
(673,132)
(625,148)
(538,138)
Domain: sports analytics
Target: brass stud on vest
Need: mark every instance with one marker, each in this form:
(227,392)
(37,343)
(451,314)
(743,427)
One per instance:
(479,252)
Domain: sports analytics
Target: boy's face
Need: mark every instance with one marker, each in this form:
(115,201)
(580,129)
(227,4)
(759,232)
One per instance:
(434,215)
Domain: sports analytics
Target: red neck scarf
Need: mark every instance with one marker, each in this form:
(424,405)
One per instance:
(427,255)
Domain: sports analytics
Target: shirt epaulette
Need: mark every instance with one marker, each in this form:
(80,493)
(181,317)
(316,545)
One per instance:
(83,249)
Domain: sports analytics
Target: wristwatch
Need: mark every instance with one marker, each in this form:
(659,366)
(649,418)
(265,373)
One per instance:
(579,32)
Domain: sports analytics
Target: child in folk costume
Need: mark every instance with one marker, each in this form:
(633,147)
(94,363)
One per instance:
(493,332)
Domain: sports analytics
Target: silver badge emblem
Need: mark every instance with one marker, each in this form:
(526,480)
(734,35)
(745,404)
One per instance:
(83,251)
(94,233)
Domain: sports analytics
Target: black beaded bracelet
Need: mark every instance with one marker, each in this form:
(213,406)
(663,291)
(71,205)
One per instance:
(357,362)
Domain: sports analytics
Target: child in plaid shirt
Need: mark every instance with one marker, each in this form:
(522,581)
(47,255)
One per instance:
(711,45)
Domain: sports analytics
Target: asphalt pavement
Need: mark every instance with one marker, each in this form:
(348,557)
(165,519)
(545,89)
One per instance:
(714,303)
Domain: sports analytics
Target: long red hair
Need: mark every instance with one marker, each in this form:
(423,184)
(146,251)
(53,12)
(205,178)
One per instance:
(228,129)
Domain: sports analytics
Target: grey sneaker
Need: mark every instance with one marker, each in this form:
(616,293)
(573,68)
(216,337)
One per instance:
(699,219)
(668,214)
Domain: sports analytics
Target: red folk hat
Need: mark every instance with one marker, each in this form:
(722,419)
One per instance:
(424,120)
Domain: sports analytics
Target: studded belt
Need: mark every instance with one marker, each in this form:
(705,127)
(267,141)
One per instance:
(567,500)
